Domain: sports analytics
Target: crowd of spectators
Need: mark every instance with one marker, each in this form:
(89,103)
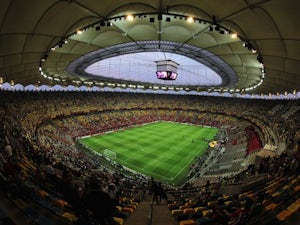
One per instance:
(43,127)
(49,122)
(265,203)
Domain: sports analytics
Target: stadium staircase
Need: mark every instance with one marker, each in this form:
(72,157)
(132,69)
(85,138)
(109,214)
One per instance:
(160,215)
(9,213)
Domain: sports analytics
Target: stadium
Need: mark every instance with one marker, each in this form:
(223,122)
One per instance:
(149,112)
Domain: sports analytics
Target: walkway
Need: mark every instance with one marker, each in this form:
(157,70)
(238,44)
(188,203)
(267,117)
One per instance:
(161,215)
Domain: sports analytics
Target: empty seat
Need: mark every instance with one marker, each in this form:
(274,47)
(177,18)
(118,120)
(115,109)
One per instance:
(187,222)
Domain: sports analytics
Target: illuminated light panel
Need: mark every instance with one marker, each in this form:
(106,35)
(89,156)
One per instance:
(233,35)
(190,19)
(129,17)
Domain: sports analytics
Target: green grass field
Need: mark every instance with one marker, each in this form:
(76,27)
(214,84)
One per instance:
(163,150)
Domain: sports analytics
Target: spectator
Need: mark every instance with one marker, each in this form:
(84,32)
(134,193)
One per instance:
(154,191)
(112,191)
(219,215)
(99,204)
(242,214)
(161,193)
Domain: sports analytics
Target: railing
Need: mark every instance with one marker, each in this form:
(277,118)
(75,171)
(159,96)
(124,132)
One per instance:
(150,214)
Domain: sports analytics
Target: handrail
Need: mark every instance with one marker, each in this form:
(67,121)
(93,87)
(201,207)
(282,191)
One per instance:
(3,177)
(150,214)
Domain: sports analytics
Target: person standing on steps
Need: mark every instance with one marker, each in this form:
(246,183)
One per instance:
(154,191)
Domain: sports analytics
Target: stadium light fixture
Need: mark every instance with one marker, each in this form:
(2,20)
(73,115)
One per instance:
(190,19)
(233,35)
(129,17)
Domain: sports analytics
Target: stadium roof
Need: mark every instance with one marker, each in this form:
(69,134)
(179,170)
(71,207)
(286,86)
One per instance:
(54,42)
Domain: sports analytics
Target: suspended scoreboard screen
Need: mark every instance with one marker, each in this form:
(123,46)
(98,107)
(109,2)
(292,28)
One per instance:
(166,70)
(166,75)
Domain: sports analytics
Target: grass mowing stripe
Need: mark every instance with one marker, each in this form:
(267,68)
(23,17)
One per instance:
(164,150)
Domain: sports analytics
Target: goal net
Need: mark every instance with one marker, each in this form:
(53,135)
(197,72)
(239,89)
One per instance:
(109,153)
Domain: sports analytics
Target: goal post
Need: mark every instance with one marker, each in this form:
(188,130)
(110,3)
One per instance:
(109,153)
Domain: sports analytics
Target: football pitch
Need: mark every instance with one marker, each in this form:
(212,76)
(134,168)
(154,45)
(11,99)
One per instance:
(162,150)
